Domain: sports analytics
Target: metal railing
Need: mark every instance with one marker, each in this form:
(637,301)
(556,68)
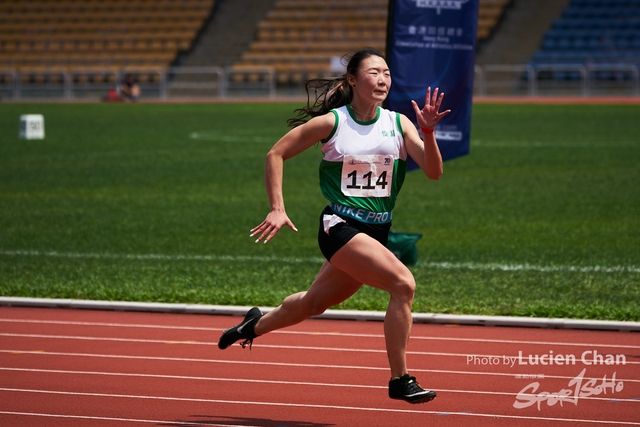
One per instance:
(558,79)
(193,81)
(172,82)
(217,82)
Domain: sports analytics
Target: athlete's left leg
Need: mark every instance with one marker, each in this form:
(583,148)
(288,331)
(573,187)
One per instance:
(368,261)
(330,287)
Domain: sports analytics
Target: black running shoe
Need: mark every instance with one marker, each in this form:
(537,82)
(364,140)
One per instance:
(243,330)
(406,388)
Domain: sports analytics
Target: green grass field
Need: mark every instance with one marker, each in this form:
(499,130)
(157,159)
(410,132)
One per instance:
(154,202)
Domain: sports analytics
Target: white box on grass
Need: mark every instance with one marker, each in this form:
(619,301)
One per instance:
(32,126)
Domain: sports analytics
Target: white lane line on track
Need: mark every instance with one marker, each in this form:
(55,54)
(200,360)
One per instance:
(314,406)
(281,382)
(270,346)
(318,260)
(280,364)
(110,324)
(316,333)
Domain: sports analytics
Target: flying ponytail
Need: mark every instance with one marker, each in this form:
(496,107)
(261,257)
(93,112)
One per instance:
(330,93)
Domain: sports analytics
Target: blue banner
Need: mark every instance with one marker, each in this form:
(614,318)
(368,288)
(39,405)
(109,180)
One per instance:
(432,43)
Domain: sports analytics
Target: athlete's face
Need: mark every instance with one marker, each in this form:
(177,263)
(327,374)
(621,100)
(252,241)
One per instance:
(372,80)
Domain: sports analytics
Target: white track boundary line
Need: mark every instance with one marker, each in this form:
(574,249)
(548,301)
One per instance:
(431,318)
(279,382)
(262,363)
(314,406)
(314,333)
(299,260)
(161,257)
(269,346)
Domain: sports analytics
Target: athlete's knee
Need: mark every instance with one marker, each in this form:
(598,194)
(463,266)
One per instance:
(404,288)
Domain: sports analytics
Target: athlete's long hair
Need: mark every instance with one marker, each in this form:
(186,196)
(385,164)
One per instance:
(331,93)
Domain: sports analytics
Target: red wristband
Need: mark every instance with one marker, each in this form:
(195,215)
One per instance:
(426,131)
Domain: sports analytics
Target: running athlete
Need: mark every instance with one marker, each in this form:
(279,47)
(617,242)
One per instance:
(365,152)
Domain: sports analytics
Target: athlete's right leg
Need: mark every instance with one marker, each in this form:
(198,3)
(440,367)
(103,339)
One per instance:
(330,287)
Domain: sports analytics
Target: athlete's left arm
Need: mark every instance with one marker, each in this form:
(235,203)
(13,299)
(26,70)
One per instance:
(425,152)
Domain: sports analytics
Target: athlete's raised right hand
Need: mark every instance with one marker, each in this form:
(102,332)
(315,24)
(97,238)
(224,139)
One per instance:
(268,228)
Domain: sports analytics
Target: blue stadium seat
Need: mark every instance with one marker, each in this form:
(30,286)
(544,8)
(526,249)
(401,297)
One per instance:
(592,32)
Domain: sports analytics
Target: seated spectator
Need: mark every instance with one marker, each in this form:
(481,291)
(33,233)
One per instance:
(129,89)
(112,96)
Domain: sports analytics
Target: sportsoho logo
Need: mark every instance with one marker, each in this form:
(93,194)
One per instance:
(441,4)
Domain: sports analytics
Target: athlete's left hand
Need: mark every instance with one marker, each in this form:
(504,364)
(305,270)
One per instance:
(429,116)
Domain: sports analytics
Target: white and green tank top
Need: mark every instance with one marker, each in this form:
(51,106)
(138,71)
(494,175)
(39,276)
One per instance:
(364,163)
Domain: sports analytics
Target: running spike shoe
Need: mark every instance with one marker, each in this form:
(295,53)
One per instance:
(406,388)
(242,331)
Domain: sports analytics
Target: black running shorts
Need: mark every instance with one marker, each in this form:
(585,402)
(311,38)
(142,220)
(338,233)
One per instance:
(341,233)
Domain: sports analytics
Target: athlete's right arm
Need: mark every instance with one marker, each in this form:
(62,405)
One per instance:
(291,144)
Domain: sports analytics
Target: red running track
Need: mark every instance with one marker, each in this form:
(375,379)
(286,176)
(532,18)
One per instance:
(84,368)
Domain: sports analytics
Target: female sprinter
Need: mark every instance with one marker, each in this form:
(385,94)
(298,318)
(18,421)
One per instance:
(365,151)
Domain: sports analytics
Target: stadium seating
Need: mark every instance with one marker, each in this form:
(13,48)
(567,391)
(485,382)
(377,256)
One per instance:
(97,39)
(489,15)
(300,39)
(96,36)
(593,32)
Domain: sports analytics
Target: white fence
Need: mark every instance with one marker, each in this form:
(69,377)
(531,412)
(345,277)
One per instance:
(558,79)
(216,82)
(173,82)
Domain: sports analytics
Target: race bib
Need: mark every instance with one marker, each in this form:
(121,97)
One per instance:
(367,175)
